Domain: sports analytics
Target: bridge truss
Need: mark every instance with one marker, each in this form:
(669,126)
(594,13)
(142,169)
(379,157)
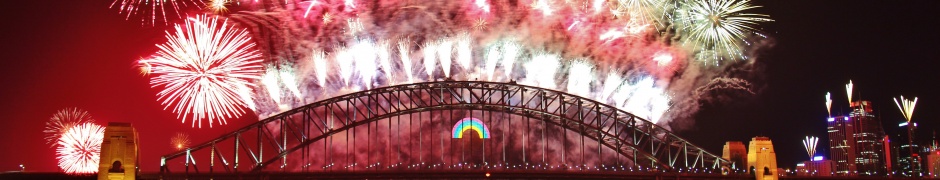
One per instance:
(589,135)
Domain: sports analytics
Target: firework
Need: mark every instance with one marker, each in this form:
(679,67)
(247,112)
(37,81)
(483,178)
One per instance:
(647,10)
(269,80)
(464,50)
(365,55)
(480,24)
(492,58)
(640,42)
(384,55)
(351,4)
(580,76)
(540,71)
(544,6)
(482,5)
(319,62)
(180,141)
(152,10)
(144,68)
(810,144)
(718,27)
(906,106)
(828,104)
(662,59)
(286,74)
(510,52)
(429,51)
(218,5)
(643,99)
(201,67)
(79,149)
(62,121)
(404,54)
(848,91)
(310,6)
(611,83)
(345,61)
(444,51)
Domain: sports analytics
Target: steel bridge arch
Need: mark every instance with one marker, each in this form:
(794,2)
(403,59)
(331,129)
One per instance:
(643,141)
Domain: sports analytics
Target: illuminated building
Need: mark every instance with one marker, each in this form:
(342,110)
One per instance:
(815,167)
(736,152)
(933,163)
(856,142)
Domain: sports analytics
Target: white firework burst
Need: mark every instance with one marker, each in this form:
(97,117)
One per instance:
(717,28)
(203,67)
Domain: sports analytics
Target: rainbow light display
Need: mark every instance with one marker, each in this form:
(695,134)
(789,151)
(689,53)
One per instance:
(467,124)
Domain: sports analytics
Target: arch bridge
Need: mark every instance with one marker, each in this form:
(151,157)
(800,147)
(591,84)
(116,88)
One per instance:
(407,128)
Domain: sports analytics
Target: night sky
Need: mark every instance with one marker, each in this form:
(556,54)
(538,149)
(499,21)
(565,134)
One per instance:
(60,54)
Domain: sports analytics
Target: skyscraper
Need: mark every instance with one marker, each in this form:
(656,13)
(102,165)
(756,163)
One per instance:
(856,142)
(909,160)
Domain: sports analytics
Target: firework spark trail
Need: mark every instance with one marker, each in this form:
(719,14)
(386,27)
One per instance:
(218,5)
(144,67)
(510,53)
(384,55)
(544,6)
(158,9)
(492,59)
(404,54)
(580,76)
(829,104)
(848,91)
(320,64)
(464,50)
(662,58)
(345,61)
(200,67)
(810,144)
(540,71)
(643,99)
(718,26)
(365,55)
(906,106)
(245,93)
(286,73)
(310,6)
(269,80)
(611,83)
(444,51)
(180,141)
(62,121)
(429,51)
(79,149)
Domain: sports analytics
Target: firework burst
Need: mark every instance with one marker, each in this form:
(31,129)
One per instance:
(906,106)
(62,121)
(202,69)
(79,149)
(718,28)
(180,141)
(150,11)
